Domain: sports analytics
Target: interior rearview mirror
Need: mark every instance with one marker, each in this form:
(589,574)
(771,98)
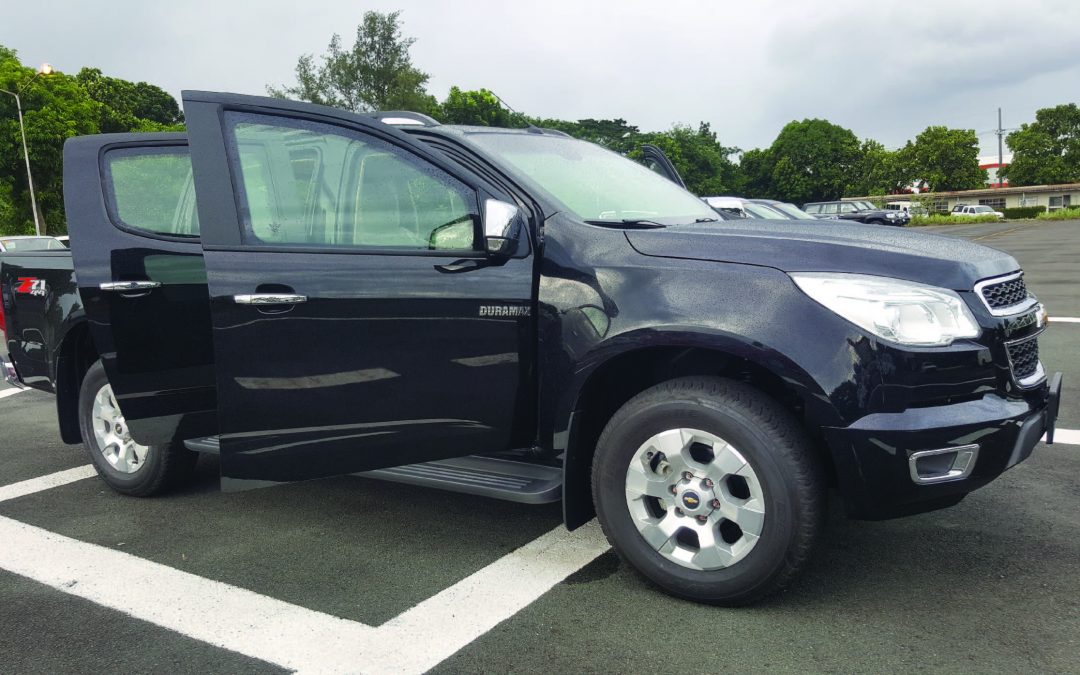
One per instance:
(502,227)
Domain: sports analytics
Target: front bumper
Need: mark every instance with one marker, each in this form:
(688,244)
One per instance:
(874,456)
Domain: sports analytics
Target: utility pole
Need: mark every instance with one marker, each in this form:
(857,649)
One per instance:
(1001,155)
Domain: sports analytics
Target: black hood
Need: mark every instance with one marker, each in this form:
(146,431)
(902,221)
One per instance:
(830,246)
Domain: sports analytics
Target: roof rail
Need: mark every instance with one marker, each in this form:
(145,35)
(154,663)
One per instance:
(404,118)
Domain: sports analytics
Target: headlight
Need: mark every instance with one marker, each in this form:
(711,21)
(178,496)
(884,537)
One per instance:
(899,311)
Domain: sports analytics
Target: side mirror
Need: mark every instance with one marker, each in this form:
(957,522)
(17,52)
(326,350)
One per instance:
(502,227)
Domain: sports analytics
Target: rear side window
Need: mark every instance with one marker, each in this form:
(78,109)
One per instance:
(150,191)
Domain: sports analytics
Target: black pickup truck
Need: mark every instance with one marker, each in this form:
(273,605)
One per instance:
(518,314)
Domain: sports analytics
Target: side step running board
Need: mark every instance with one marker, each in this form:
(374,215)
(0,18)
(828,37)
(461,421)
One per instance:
(504,479)
(485,476)
(210,445)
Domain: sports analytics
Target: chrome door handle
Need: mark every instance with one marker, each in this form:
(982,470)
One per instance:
(269,299)
(129,285)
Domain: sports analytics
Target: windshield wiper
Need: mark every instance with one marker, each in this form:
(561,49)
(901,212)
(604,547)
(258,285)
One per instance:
(636,223)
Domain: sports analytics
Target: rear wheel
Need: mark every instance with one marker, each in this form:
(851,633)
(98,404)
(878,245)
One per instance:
(709,489)
(127,466)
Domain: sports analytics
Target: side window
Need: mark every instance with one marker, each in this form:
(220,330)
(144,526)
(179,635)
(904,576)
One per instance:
(847,207)
(829,208)
(150,190)
(313,184)
(812,208)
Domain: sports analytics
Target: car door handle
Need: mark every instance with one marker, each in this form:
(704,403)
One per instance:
(129,285)
(269,299)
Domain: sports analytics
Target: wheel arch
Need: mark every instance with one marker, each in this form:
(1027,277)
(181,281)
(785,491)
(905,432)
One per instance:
(621,375)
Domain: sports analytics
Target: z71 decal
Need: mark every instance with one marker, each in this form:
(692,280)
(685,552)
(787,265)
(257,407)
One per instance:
(31,286)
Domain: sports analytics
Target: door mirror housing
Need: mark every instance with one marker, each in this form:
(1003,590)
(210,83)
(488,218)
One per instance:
(502,227)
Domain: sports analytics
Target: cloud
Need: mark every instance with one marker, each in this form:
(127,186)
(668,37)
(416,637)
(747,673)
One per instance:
(886,69)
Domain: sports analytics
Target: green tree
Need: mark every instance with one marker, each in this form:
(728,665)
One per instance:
(376,73)
(55,108)
(478,107)
(1047,151)
(880,171)
(130,105)
(811,160)
(947,159)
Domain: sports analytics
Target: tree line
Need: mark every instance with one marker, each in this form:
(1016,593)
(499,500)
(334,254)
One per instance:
(810,160)
(55,108)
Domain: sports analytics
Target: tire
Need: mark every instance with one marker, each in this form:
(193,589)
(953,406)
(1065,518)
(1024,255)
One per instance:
(777,490)
(127,467)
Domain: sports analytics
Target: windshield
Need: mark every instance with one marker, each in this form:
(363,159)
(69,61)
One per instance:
(793,211)
(762,211)
(594,183)
(33,244)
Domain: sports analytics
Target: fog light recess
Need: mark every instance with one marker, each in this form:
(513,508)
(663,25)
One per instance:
(942,465)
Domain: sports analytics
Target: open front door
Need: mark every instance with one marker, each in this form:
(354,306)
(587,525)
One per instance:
(655,159)
(130,205)
(357,322)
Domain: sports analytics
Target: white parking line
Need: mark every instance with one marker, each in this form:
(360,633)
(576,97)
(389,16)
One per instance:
(57,479)
(1064,319)
(281,633)
(444,623)
(1066,436)
(10,391)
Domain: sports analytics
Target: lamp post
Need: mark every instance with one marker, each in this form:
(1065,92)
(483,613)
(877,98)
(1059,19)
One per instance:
(45,69)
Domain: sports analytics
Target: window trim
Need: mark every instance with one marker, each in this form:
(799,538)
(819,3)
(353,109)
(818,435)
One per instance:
(251,242)
(108,192)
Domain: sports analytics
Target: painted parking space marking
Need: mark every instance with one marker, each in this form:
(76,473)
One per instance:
(1066,436)
(444,623)
(278,632)
(1064,319)
(11,391)
(57,479)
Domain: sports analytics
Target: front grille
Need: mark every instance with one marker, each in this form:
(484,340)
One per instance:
(1005,293)
(1024,358)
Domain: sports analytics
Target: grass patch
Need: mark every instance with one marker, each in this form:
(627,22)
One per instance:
(944,219)
(1061,214)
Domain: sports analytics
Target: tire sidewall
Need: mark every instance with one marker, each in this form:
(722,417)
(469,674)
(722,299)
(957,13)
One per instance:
(93,382)
(778,481)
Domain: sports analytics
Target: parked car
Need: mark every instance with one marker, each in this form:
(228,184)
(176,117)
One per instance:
(738,208)
(973,210)
(65,240)
(523,315)
(786,209)
(853,211)
(30,243)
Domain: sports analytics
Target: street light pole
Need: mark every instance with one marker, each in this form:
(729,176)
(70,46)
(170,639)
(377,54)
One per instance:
(44,70)
(26,155)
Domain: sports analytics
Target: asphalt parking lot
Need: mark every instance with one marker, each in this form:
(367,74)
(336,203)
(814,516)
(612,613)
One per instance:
(204,581)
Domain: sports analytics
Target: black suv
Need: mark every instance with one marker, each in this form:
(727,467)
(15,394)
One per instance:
(861,211)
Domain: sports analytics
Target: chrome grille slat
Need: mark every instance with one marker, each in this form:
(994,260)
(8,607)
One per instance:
(1006,295)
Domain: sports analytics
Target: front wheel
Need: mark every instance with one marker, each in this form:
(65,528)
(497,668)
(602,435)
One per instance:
(127,466)
(708,488)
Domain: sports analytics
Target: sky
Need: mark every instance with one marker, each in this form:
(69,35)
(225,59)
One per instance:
(886,69)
